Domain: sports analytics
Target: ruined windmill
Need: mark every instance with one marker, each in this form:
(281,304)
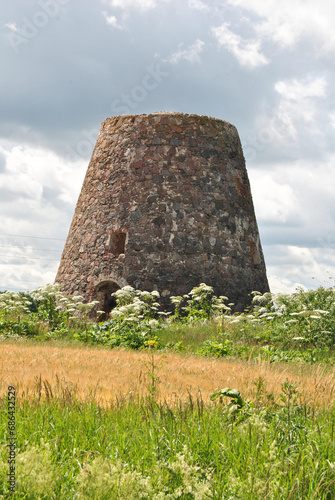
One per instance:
(166,205)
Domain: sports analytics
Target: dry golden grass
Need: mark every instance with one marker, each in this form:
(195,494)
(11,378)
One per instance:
(108,374)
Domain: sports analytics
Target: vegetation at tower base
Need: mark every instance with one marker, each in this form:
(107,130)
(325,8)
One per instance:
(286,328)
(165,205)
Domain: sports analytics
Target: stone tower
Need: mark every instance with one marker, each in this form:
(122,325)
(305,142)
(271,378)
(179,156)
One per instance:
(166,205)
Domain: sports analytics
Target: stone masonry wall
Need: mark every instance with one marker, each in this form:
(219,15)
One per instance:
(165,204)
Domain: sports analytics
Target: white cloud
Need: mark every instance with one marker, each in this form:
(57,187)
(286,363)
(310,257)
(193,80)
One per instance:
(298,111)
(38,193)
(294,19)
(295,207)
(278,284)
(301,89)
(298,196)
(290,266)
(198,4)
(299,102)
(135,4)
(22,274)
(28,176)
(11,26)
(332,119)
(276,202)
(29,169)
(247,52)
(191,54)
(111,20)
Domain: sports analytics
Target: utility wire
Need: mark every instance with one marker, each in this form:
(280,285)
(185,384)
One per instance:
(31,248)
(24,257)
(38,237)
(21,281)
(19,289)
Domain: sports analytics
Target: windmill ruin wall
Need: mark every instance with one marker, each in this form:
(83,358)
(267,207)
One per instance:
(165,204)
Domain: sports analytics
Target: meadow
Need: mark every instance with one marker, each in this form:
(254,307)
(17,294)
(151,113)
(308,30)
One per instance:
(199,403)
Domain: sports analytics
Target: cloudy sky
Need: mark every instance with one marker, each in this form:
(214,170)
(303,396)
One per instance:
(267,66)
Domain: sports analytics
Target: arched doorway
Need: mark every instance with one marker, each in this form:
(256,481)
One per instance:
(104,291)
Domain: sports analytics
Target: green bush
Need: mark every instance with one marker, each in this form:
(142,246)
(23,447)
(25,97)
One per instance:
(116,333)
(296,327)
(200,303)
(215,348)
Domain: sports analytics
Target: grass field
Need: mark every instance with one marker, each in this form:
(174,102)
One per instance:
(204,404)
(108,374)
(95,423)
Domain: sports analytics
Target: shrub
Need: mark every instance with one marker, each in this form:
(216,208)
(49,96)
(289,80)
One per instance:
(200,303)
(215,348)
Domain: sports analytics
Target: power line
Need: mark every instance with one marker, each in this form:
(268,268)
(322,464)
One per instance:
(30,248)
(38,237)
(24,257)
(21,281)
(19,289)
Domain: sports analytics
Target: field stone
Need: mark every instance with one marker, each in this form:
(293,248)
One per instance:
(157,186)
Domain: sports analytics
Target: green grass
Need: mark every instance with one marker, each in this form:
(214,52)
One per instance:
(141,449)
(188,337)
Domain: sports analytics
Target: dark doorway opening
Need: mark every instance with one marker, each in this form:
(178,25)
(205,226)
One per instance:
(104,296)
